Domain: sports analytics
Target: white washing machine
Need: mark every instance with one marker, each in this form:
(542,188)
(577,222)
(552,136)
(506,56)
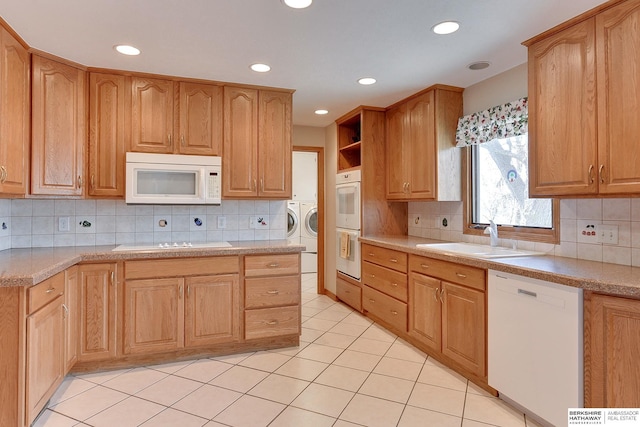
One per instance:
(309,236)
(293,222)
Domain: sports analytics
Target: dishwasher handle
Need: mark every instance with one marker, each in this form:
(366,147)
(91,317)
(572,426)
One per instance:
(527,293)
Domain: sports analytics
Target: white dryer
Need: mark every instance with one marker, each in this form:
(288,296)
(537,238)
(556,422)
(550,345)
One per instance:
(293,221)
(309,236)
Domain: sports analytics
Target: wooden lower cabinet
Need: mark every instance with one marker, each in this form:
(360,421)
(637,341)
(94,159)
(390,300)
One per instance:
(612,345)
(71,317)
(386,308)
(45,356)
(349,292)
(272,296)
(98,286)
(425,312)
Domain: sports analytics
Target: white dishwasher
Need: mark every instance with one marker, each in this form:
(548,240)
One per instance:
(535,344)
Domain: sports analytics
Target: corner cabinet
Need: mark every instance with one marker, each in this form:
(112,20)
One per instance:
(257,144)
(422,160)
(583,125)
(109,133)
(15,110)
(58,128)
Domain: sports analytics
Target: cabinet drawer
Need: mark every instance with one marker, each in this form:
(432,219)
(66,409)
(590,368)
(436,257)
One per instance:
(272,291)
(48,290)
(181,267)
(386,308)
(349,293)
(271,322)
(271,265)
(449,271)
(391,282)
(385,257)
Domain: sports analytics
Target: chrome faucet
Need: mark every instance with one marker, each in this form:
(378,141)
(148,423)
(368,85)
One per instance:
(492,231)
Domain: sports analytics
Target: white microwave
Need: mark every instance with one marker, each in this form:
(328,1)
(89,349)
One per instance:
(173,179)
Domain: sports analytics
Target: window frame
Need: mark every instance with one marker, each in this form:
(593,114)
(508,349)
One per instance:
(540,235)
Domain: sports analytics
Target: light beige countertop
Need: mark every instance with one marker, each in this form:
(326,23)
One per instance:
(596,276)
(26,267)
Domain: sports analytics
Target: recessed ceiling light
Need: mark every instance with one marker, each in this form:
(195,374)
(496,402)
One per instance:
(260,68)
(322,112)
(127,50)
(446,27)
(367,81)
(298,4)
(480,65)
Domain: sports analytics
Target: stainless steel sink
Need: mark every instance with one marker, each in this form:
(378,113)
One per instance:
(478,251)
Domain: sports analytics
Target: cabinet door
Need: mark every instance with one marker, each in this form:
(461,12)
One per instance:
(153,319)
(425,320)
(420,137)
(58,128)
(152,115)
(109,118)
(71,317)
(397,177)
(618,98)
(274,145)
(240,148)
(45,352)
(200,119)
(612,333)
(212,313)
(463,327)
(97,312)
(562,113)
(15,110)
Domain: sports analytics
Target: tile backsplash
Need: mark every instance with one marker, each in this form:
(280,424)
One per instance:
(26,223)
(578,218)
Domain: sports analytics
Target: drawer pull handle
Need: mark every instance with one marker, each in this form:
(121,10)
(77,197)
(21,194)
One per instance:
(273,265)
(395,313)
(272,322)
(462,276)
(371,254)
(372,300)
(395,285)
(50,290)
(435,294)
(372,275)
(424,266)
(393,260)
(66,311)
(527,293)
(273,292)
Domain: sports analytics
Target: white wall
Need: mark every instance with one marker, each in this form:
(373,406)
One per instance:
(505,87)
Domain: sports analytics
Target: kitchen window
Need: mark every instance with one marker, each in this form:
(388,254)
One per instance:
(496,152)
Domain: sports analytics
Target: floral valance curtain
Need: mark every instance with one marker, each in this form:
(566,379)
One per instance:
(503,121)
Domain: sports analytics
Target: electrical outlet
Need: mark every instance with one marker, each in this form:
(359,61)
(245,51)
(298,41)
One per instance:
(587,231)
(607,234)
(64,223)
(258,222)
(222,222)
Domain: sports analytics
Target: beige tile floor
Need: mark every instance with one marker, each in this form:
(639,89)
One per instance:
(347,371)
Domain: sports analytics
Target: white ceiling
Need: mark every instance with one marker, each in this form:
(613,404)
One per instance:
(320,51)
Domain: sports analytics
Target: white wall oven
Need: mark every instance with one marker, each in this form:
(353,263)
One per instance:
(348,223)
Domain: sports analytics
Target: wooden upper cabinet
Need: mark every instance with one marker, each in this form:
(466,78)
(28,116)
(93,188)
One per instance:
(200,119)
(257,143)
(15,110)
(240,149)
(109,120)
(618,87)
(274,144)
(396,153)
(422,161)
(583,113)
(152,115)
(58,128)
(562,113)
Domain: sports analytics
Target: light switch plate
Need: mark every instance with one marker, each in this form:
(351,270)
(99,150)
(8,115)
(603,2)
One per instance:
(64,223)
(607,234)
(222,222)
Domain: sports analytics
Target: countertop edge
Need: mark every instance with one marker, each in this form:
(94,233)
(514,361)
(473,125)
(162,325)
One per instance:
(80,254)
(611,279)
